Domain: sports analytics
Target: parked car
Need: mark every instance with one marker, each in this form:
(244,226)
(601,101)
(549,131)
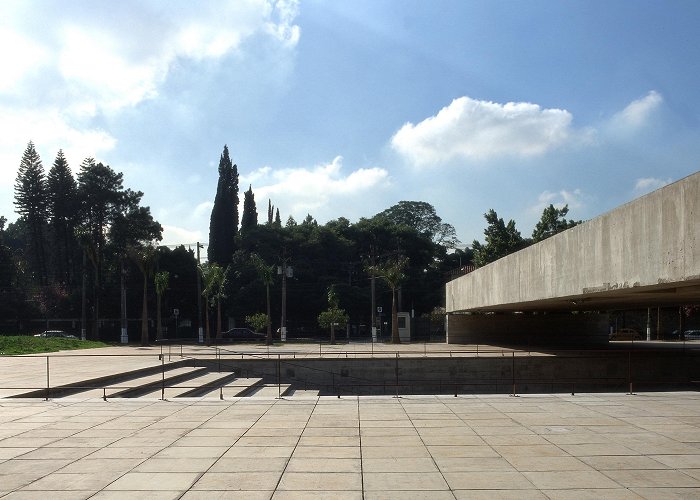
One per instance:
(236,334)
(625,334)
(56,333)
(692,334)
(687,335)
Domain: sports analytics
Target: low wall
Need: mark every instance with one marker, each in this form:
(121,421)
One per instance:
(581,371)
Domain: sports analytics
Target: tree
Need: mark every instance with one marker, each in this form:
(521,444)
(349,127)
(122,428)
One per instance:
(257,321)
(62,209)
(101,198)
(132,226)
(144,257)
(223,225)
(553,221)
(249,219)
(161,281)
(266,274)
(32,204)
(392,271)
(501,239)
(214,279)
(334,315)
(270,212)
(422,217)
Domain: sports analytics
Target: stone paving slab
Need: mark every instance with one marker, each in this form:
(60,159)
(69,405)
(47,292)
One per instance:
(354,448)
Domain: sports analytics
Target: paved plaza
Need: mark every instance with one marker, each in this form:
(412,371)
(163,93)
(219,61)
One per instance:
(553,446)
(306,447)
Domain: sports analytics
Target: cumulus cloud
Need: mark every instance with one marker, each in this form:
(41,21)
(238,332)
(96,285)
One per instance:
(638,112)
(474,129)
(174,235)
(302,190)
(66,66)
(574,199)
(648,184)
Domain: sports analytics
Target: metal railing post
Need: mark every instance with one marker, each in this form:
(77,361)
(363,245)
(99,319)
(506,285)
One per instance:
(162,378)
(279,385)
(48,385)
(512,369)
(396,372)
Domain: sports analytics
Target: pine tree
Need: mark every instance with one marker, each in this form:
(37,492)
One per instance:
(31,203)
(223,225)
(62,207)
(249,219)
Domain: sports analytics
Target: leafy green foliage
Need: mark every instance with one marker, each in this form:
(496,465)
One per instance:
(501,239)
(553,221)
(257,321)
(422,217)
(334,316)
(223,225)
(249,219)
(31,203)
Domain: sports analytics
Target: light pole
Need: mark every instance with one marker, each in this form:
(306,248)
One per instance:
(286,272)
(199,298)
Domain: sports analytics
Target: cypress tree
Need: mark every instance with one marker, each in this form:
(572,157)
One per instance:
(249,218)
(223,225)
(31,203)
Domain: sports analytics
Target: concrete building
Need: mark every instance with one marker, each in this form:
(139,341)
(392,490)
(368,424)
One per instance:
(642,254)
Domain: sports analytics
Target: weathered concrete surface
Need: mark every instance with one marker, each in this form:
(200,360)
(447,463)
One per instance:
(644,253)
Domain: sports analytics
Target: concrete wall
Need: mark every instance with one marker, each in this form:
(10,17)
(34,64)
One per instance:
(494,373)
(556,329)
(649,241)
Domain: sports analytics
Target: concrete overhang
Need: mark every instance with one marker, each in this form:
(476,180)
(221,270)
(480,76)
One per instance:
(642,254)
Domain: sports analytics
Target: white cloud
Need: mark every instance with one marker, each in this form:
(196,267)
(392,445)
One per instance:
(203,208)
(574,199)
(173,235)
(649,184)
(473,129)
(302,190)
(637,113)
(65,66)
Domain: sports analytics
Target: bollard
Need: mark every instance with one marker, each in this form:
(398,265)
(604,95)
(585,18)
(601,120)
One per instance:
(104,394)
(221,392)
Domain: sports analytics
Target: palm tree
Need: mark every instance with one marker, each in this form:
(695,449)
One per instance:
(161,281)
(266,274)
(214,278)
(144,257)
(392,271)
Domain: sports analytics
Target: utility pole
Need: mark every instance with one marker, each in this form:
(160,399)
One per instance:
(285,271)
(199,298)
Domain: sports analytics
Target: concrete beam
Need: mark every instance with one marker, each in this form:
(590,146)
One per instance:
(643,253)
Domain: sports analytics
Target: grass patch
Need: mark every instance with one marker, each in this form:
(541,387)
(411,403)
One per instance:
(27,344)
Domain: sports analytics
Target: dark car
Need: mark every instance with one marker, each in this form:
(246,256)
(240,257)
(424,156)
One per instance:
(235,334)
(56,333)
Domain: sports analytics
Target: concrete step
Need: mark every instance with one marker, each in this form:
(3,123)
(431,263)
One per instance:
(153,384)
(242,387)
(268,391)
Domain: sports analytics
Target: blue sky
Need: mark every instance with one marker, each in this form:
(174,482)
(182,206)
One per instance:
(346,108)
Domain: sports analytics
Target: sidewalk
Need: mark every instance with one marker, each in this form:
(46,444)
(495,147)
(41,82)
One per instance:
(584,446)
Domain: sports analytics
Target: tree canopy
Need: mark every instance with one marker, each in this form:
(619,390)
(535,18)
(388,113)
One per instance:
(223,226)
(553,221)
(501,239)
